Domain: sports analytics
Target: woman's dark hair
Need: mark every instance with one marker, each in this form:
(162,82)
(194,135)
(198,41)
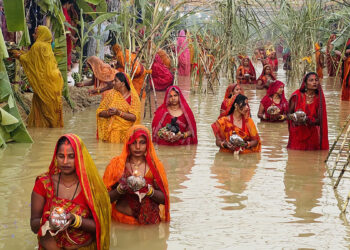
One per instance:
(123,79)
(306,77)
(61,141)
(240,100)
(63,2)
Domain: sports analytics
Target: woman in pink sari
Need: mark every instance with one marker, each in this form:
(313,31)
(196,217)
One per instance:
(184,61)
(174,113)
(161,75)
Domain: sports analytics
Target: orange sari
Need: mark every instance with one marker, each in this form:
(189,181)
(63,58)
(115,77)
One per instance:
(140,71)
(345,89)
(115,171)
(224,128)
(319,61)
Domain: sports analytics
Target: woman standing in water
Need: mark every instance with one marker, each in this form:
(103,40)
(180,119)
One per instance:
(73,186)
(236,122)
(267,76)
(176,113)
(246,73)
(137,182)
(309,132)
(118,111)
(274,98)
(345,90)
(231,90)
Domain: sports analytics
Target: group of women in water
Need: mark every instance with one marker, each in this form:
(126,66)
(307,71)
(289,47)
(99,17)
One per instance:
(72,205)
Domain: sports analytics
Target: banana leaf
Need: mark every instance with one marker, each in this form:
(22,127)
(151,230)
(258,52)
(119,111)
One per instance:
(11,124)
(14,12)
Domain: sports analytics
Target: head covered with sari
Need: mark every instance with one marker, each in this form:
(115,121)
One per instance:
(230,88)
(102,71)
(43,34)
(229,98)
(162,111)
(116,167)
(183,54)
(267,99)
(250,64)
(322,112)
(92,186)
(263,73)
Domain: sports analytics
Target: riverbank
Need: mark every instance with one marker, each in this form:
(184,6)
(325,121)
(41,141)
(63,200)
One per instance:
(79,96)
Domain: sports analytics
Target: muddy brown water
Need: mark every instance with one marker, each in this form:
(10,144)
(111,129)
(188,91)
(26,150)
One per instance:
(275,199)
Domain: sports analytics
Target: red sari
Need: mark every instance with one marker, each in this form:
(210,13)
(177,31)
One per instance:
(309,137)
(332,60)
(241,71)
(161,75)
(273,62)
(264,77)
(91,202)
(228,100)
(186,121)
(68,39)
(268,102)
(345,90)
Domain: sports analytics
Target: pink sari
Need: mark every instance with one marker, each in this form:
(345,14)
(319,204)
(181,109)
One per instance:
(184,61)
(186,121)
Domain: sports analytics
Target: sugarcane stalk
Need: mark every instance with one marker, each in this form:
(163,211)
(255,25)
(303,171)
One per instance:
(154,93)
(336,140)
(340,150)
(346,203)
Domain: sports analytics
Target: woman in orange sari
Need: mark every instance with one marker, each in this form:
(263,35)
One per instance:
(138,71)
(246,73)
(345,90)
(103,73)
(45,78)
(72,186)
(267,76)
(319,61)
(147,202)
(331,57)
(237,122)
(118,111)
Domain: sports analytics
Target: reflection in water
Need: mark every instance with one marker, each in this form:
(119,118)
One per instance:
(139,237)
(234,172)
(303,180)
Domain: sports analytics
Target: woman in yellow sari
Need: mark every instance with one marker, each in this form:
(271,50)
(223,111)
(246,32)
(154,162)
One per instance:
(236,122)
(40,66)
(141,204)
(118,111)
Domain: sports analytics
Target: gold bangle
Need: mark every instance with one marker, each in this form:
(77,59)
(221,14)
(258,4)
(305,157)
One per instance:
(121,113)
(98,91)
(120,190)
(77,221)
(150,191)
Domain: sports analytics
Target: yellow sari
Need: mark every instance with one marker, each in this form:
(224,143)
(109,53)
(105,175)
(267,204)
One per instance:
(113,129)
(40,66)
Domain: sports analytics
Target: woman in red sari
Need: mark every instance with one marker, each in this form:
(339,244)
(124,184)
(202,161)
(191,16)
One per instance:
(311,134)
(231,91)
(331,57)
(237,122)
(246,72)
(138,204)
(174,108)
(161,75)
(345,90)
(73,185)
(273,61)
(274,97)
(267,76)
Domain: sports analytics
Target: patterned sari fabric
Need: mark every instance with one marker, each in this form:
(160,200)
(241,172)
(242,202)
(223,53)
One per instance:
(184,60)
(92,202)
(227,102)
(264,77)
(138,71)
(103,72)
(41,69)
(241,71)
(273,62)
(345,90)
(186,121)
(332,60)
(147,211)
(113,129)
(268,102)
(224,128)
(307,137)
